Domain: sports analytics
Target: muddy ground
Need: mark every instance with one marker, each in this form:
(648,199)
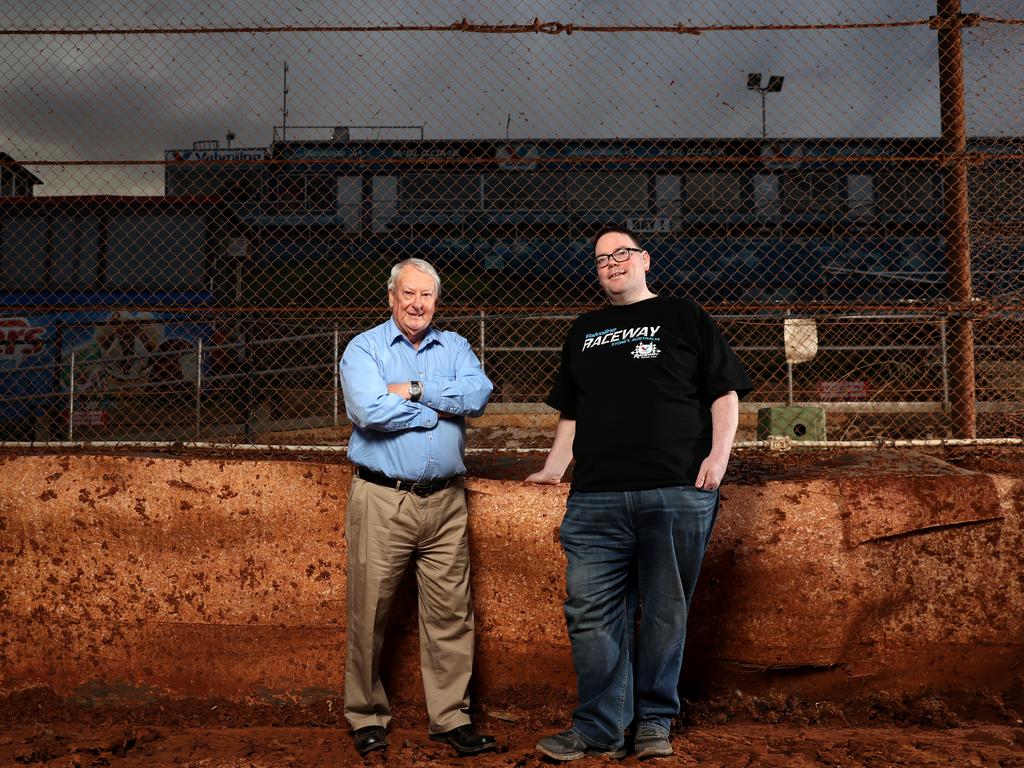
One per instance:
(736,731)
(969,728)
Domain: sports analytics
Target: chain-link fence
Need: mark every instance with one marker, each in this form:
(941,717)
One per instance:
(842,188)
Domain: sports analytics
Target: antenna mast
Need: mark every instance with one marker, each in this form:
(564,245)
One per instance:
(284,105)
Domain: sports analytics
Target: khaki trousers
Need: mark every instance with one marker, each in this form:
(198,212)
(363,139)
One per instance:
(384,530)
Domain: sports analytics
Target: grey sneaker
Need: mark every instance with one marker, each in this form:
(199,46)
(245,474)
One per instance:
(651,741)
(568,745)
(651,745)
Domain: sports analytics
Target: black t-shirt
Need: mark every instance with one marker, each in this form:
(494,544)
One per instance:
(639,380)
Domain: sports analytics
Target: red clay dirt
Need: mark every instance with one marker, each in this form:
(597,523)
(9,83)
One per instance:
(737,731)
(739,724)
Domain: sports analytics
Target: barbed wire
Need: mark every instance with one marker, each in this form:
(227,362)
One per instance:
(464,25)
(535,27)
(972,157)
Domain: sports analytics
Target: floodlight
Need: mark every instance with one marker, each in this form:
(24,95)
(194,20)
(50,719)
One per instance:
(774,86)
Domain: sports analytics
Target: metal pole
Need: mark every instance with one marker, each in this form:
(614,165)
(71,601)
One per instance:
(789,370)
(483,339)
(250,384)
(764,119)
(337,374)
(71,398)
(949,23)
(199,381)
(945,367)
(284,105)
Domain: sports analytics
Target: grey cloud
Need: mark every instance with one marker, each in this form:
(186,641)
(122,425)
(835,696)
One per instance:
(131,97)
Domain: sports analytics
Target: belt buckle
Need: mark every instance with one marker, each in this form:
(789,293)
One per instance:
(422,489)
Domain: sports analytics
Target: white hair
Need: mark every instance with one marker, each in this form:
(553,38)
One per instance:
(422,266)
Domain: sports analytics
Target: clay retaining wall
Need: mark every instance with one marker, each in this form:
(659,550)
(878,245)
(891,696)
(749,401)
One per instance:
(129,578)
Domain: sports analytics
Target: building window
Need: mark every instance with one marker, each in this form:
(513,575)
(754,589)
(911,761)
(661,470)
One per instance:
(75,252)
(604,191)
(812,191)
(438,192)
(23,252)
(766,194)
(349,202)
(860,193)
(709,191)
(291,194)
(529,191)
(321,195)
(385,201)
(160,251)
(906,190)
(667,191)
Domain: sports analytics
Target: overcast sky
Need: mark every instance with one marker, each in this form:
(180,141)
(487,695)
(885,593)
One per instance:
(117,97)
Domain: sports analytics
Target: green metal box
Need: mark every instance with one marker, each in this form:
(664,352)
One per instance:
(792,421)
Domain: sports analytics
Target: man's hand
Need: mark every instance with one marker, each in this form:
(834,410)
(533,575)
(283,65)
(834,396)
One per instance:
(402,390)
(558,457)
(544,477)
(712,470)
(725,416)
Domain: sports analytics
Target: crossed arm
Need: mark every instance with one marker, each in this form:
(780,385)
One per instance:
(374,403)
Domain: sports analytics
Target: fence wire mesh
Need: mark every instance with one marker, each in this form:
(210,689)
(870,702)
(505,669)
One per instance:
(843,188)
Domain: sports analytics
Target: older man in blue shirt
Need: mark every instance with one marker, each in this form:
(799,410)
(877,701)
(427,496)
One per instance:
(408,387)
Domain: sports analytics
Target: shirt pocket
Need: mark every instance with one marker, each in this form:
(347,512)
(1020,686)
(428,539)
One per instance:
(446,375)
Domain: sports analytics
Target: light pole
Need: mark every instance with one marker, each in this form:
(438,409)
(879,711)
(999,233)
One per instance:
(774,86)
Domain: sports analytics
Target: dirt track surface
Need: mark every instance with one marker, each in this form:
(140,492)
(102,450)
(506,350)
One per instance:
(975,729)
(740,731)
(726,746)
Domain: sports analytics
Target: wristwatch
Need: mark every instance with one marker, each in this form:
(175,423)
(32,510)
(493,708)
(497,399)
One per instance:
(415,391)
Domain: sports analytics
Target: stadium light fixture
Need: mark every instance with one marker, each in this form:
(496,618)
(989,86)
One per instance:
(774,86)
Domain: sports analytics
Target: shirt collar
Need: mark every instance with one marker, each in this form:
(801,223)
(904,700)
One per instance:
(394,333)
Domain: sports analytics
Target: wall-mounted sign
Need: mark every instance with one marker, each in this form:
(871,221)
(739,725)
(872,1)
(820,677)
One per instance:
(649,225)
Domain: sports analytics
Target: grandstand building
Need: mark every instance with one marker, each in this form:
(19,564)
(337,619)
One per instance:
(751,221)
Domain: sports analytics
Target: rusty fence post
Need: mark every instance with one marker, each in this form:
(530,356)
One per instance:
(949,24)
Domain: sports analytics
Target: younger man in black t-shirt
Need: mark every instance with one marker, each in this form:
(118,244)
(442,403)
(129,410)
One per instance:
(648,391)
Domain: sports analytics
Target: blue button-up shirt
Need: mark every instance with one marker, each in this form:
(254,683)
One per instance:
(398,437)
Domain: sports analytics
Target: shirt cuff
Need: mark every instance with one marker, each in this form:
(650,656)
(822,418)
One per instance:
(428,416)
(431,394)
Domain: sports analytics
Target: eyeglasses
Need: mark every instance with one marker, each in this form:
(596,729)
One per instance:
(619,255)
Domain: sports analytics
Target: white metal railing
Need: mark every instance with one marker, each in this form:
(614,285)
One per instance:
(207,381)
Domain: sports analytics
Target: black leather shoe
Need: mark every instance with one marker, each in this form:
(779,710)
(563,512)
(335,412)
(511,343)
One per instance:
(369,738)
(466,740)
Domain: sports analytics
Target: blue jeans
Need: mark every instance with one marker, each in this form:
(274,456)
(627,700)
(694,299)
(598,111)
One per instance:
(630,551)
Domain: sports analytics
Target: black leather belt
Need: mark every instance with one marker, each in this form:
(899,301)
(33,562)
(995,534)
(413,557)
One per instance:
(420,489)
